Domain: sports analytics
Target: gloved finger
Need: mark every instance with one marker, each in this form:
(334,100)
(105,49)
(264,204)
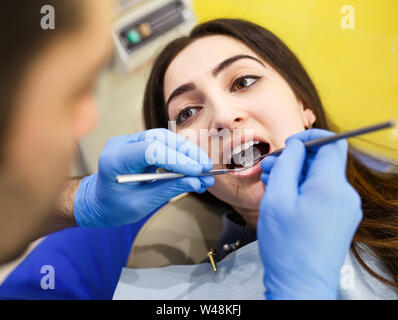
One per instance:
(168,158)
(196,153)
(318,160)
(330,161)
(201,190)
(287,169)
(267,163)
(264,178)
(307,135)
(207,181)
(136,157)
(138,137)
(169,189)
(151,169)
(312,134)
(181,144)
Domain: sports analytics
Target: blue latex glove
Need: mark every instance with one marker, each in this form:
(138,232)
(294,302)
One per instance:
(308,216)
(100,201)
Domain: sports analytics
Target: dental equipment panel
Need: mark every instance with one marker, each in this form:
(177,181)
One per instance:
(144,26)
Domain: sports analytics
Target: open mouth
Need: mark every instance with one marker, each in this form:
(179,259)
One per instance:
(248,154)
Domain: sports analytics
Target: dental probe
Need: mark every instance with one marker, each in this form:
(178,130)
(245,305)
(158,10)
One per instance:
(143,177)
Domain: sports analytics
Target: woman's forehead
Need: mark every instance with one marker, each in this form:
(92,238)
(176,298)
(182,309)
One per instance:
(200,57)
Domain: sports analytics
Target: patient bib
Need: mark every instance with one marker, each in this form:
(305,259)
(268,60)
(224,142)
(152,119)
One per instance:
(239,277)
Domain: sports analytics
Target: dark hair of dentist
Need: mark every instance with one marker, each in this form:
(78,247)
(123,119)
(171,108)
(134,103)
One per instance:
(25,42)
(378,191)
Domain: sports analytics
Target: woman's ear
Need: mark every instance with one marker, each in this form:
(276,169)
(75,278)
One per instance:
(309,117)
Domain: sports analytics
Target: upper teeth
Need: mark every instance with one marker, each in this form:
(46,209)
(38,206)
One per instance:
(243,147)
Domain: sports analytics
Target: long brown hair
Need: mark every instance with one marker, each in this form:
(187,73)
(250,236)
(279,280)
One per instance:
(378,190)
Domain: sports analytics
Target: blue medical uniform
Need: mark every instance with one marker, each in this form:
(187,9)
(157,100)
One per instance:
(87,264)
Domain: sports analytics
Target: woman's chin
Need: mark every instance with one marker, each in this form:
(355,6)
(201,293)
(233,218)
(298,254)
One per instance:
(244,195)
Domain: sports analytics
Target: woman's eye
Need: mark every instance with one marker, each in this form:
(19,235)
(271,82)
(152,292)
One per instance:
(244,82)
(186,114)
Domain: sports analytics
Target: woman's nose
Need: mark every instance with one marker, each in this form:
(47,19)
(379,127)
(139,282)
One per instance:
(233,118)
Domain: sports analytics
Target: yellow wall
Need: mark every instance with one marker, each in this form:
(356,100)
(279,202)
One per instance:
(355,71)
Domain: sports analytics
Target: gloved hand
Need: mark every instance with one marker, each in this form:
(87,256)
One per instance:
(308,216)
(100,201)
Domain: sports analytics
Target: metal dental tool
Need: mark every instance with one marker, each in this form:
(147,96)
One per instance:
(143,177)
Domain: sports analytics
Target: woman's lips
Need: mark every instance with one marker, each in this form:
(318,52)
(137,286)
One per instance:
(248,173)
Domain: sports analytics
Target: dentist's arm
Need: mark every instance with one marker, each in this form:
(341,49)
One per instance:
(98,201)
(308,217)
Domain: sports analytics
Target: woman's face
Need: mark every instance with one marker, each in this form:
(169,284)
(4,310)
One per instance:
(224,86)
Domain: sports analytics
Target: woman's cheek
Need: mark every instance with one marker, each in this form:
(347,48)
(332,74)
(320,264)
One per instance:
(220,188)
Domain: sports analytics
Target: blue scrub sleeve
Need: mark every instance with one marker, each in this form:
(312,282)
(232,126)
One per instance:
(87,264)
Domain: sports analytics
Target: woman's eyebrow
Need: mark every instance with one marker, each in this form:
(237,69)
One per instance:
(180,90)
(226,63)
